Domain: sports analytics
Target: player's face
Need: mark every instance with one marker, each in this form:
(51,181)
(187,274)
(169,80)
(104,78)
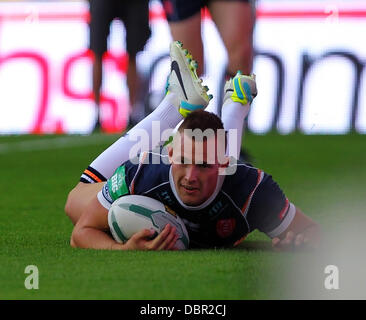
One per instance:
(195,169)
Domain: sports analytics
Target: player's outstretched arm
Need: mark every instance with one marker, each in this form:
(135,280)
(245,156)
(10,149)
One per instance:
(92,227)
(302,233)
(79,197)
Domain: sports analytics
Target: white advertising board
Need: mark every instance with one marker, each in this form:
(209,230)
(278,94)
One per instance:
(309,65)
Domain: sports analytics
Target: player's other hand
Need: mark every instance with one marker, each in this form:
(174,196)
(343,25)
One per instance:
(141,240)
(290,242)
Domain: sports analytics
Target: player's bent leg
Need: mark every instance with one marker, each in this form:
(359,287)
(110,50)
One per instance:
(235,22)
(239,93)
(188,31)
(79,197)
(185,93)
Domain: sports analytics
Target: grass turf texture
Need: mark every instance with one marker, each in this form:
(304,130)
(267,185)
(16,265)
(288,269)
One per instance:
(323,175)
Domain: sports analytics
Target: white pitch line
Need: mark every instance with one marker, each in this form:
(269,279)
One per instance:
(55,143)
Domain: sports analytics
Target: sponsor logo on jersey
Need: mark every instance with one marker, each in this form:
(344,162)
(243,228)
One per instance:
(114,182)
(225,227)
(117,184)
(216,208)
(165,197)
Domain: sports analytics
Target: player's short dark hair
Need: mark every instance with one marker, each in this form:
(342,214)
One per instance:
(202,120)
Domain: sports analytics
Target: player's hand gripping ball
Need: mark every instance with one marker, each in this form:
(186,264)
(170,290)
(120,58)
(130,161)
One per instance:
(130,214)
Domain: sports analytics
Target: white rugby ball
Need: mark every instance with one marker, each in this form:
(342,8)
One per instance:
(130,214)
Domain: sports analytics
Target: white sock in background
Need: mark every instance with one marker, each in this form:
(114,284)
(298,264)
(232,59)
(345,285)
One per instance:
(233,115)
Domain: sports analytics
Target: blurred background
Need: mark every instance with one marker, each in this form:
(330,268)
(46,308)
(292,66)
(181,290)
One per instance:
(308,57)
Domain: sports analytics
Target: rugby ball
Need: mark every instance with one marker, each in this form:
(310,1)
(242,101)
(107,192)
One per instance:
(132,213)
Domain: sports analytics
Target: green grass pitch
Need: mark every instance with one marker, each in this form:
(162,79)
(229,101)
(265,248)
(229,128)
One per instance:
(323,175)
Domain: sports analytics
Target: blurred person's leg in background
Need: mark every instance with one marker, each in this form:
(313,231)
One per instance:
(101,16)
(234,20)
(184,17)
(135,16)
